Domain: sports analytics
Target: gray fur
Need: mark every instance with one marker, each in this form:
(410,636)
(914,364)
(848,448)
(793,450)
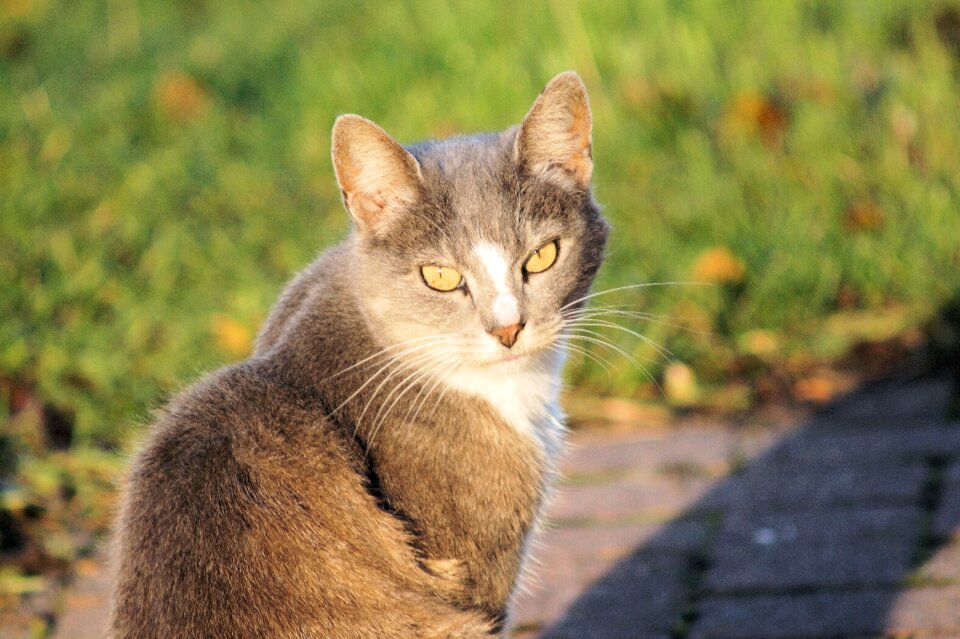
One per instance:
(280,497)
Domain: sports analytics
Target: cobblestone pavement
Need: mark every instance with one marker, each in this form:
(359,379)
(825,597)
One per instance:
(844,527)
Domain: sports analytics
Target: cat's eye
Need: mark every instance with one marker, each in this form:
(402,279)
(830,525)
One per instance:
(542,259)
(441,278)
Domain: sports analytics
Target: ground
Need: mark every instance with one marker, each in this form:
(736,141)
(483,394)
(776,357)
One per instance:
(842,526)
(845,525)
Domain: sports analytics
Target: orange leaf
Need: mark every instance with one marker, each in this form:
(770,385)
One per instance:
(232,336)
(813,389)
(863,216)
(756,114)
(719,266)
(180,97)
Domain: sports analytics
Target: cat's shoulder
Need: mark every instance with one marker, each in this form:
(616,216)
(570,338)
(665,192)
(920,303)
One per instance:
(234,418)
(322,278)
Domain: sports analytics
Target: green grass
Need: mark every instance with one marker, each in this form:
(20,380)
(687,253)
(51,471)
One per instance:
(164,170)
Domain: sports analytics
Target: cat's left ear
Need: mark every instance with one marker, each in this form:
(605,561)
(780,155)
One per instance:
(554,140)
(377,176)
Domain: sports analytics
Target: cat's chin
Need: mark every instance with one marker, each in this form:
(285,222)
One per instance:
(518,360)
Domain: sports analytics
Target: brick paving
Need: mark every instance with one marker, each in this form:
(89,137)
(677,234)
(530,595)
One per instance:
(846,526)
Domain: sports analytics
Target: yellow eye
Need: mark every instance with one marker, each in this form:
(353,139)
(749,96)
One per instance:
(542,259)
(441,278)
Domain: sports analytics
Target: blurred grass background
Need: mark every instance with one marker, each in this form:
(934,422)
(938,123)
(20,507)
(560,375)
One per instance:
(164,170)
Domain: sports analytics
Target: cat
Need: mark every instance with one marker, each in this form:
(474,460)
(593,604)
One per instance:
(377,467)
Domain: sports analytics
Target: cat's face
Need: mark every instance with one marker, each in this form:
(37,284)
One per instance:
(469,251)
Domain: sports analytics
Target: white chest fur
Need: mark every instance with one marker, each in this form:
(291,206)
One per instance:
(525,396)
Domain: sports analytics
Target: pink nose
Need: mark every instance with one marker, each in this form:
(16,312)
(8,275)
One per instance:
(507,334)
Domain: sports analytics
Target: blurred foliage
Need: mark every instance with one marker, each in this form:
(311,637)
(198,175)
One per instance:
(164,170)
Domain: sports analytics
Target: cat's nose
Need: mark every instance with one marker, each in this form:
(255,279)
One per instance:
(507,334)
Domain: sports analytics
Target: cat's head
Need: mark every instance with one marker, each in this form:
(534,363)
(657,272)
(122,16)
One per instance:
(470,250)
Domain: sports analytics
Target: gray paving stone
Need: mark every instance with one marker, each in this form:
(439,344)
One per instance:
(787,487)
(760,550)
(952,473)
(597,453)
(925,399)
(811,616)
(829,526)
(946,521)
(553,583)
(804,566)
(866,447)
(618,539)
(641,597)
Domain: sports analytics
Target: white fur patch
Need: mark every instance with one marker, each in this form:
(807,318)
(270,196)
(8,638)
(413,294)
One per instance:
(526,398)
(505,308)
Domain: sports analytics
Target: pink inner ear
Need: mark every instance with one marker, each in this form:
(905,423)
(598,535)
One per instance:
(368,207)
(556,132)
(375,173)
(581,162)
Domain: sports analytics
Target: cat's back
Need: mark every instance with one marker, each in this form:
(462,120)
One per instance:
(201,491)
(247,514)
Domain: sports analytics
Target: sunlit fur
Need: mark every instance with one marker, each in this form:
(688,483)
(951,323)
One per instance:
(378,466)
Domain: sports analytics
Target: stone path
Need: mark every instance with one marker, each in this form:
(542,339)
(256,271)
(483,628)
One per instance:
(846,527)
(85,606)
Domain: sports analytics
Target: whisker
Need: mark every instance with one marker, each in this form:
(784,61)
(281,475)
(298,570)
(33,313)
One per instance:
(586,353)
(381,352)
(588,313)
(407,384)
(456,364)
(664,352)
(393,359)
(631,286)
(597,338)
(414,362)
(426,392)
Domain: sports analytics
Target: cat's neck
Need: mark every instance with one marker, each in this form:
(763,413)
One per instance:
(525,395)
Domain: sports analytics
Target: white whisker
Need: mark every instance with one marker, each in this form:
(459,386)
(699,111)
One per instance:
(586,353)
(414,362)
(408,383)
(381,352)
(628,287)
(393,359)
(426,392)
(599,323)
(597,338)
(592,312)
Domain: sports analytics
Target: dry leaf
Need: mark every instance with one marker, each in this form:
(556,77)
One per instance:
(232,336)
(718,266)
(821,387)
(180,97)
(753,113)
(759,342)
(680,384)
(863,216)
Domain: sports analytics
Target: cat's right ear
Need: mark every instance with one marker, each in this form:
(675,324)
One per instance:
(554,140)
(377,176)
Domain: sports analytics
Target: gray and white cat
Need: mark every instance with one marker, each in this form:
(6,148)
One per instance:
(377,467)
